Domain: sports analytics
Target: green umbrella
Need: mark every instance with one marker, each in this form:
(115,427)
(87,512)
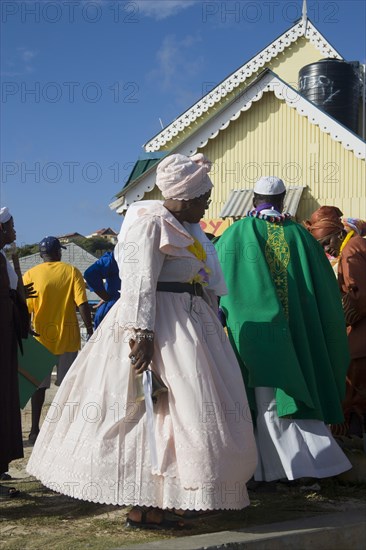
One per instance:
(33,366)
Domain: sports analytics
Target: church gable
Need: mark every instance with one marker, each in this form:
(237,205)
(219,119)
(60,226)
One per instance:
(255,122)
(300,45)
(285,128)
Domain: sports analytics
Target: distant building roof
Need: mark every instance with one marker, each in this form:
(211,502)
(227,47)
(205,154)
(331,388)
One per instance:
(105,231)
(240,201)
(71,235)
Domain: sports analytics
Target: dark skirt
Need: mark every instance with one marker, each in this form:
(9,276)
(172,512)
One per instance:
(11,442)
(355,400)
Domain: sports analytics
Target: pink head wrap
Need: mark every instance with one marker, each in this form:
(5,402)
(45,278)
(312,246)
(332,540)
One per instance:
(183,178)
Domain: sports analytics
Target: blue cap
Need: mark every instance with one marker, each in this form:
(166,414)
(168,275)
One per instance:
(48,245)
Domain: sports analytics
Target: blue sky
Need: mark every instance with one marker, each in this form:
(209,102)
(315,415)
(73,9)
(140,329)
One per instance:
(84,84)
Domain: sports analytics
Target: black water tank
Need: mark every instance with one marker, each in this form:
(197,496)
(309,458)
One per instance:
(334,86)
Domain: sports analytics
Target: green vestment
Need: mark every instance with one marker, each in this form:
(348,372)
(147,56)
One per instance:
(284,317)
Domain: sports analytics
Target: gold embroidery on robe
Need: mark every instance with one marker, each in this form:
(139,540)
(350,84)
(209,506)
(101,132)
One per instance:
(278,256)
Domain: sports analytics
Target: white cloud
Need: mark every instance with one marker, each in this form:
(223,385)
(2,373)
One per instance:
(27,55)
(12,69)
(20,62)
(161,9)
(9,74)
(176,64)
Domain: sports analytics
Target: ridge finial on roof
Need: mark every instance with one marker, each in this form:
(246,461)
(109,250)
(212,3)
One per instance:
(304,16)
(304,11)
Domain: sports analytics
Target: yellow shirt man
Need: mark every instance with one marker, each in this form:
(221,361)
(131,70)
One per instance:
(60,288)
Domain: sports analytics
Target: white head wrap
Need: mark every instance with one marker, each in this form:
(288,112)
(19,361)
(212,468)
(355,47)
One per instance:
(5,215)
(182,178)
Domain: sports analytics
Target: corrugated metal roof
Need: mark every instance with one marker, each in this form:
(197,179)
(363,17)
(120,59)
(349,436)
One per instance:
(240,201)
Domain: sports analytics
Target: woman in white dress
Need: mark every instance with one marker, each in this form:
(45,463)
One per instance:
(194,449)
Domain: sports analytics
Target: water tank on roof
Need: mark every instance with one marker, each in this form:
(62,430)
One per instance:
(334,86)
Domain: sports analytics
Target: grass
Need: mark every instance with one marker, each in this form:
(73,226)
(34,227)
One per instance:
(40,518)
(43,519)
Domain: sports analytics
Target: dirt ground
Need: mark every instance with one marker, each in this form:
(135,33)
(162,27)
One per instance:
(40,518)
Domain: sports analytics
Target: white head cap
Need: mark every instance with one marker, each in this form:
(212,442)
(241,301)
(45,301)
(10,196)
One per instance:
(269,185)
(4,214)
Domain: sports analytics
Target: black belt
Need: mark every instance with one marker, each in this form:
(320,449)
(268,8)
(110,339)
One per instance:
(195,288)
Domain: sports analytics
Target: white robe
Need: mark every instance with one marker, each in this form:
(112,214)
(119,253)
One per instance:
(94,445)
(292,449)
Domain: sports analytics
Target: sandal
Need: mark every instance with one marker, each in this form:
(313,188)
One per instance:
(8,492)
(168,520)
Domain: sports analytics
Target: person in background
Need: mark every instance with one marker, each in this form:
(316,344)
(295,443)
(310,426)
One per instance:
(14,325)
(104,269)
(194,449)
(328,229)
(285,321)
(60,290)
(356,225)
(348,248)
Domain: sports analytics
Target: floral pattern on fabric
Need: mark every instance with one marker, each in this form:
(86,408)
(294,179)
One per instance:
(203,275)
(278,257)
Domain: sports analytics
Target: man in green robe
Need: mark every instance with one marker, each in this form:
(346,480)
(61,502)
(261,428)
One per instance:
(285,321)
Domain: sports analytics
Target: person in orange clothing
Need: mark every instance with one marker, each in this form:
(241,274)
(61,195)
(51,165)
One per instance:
(349,248)
(60,290)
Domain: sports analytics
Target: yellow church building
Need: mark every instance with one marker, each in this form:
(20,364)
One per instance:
(296,110)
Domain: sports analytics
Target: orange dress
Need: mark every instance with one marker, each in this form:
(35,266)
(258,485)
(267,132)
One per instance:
(352,283)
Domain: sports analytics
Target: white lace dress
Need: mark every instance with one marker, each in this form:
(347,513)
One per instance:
(94,442)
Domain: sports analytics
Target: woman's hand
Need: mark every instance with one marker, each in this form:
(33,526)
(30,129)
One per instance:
(142,351)
(29,291)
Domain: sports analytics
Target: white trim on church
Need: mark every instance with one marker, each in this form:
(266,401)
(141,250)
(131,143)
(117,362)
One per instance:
(267,81)
(302,28)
